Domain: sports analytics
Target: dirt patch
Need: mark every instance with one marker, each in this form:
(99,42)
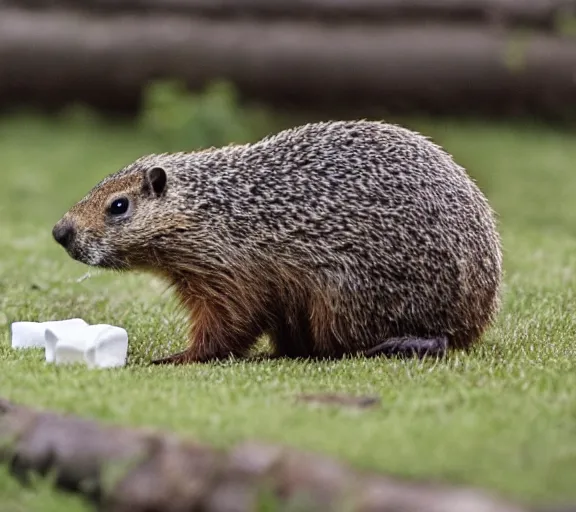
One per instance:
(340,400)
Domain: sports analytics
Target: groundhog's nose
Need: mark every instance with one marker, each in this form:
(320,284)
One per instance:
(63,233)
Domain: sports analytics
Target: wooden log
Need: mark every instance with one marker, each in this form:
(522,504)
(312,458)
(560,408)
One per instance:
(524,12)
(128,470)
(56,57)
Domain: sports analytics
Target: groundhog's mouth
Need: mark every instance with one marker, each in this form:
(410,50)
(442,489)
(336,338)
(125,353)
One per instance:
(76,253)
(105,262)
(96,257)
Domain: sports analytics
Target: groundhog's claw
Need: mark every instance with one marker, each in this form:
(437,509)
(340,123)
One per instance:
(178,358)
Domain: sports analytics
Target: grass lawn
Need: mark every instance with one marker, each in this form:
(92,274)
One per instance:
(502,417)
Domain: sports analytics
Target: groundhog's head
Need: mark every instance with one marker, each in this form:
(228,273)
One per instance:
(122,221)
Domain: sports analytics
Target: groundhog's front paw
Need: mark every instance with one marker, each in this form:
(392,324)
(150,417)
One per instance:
(184,357)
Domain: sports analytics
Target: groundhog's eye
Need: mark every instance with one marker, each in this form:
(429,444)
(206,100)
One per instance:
(119,206)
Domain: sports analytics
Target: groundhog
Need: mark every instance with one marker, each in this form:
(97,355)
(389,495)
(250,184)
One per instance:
(332,238)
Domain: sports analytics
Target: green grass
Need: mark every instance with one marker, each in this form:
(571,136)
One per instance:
(502,417)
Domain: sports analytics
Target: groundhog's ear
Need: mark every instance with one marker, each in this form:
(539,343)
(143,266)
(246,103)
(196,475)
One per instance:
(154,181)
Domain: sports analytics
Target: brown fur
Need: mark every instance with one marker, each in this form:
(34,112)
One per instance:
(332,238)
(88,213)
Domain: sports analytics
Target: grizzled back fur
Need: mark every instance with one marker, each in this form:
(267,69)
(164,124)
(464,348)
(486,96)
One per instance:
(331,237)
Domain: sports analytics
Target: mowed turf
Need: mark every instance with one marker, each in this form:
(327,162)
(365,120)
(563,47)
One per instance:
(502,417)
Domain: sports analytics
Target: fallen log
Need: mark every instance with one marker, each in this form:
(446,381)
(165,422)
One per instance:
(121,470)
(60,57)
(535,13)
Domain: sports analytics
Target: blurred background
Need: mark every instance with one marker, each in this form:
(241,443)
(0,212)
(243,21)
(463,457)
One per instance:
(88,85)
(310,58)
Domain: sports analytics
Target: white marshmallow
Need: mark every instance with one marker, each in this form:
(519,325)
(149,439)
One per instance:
(69,350)
(68,338)
(97,346)
(31,334)
(50,340)
(107,347)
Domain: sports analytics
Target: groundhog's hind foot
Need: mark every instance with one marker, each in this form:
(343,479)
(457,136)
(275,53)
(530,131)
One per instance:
(410,347)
